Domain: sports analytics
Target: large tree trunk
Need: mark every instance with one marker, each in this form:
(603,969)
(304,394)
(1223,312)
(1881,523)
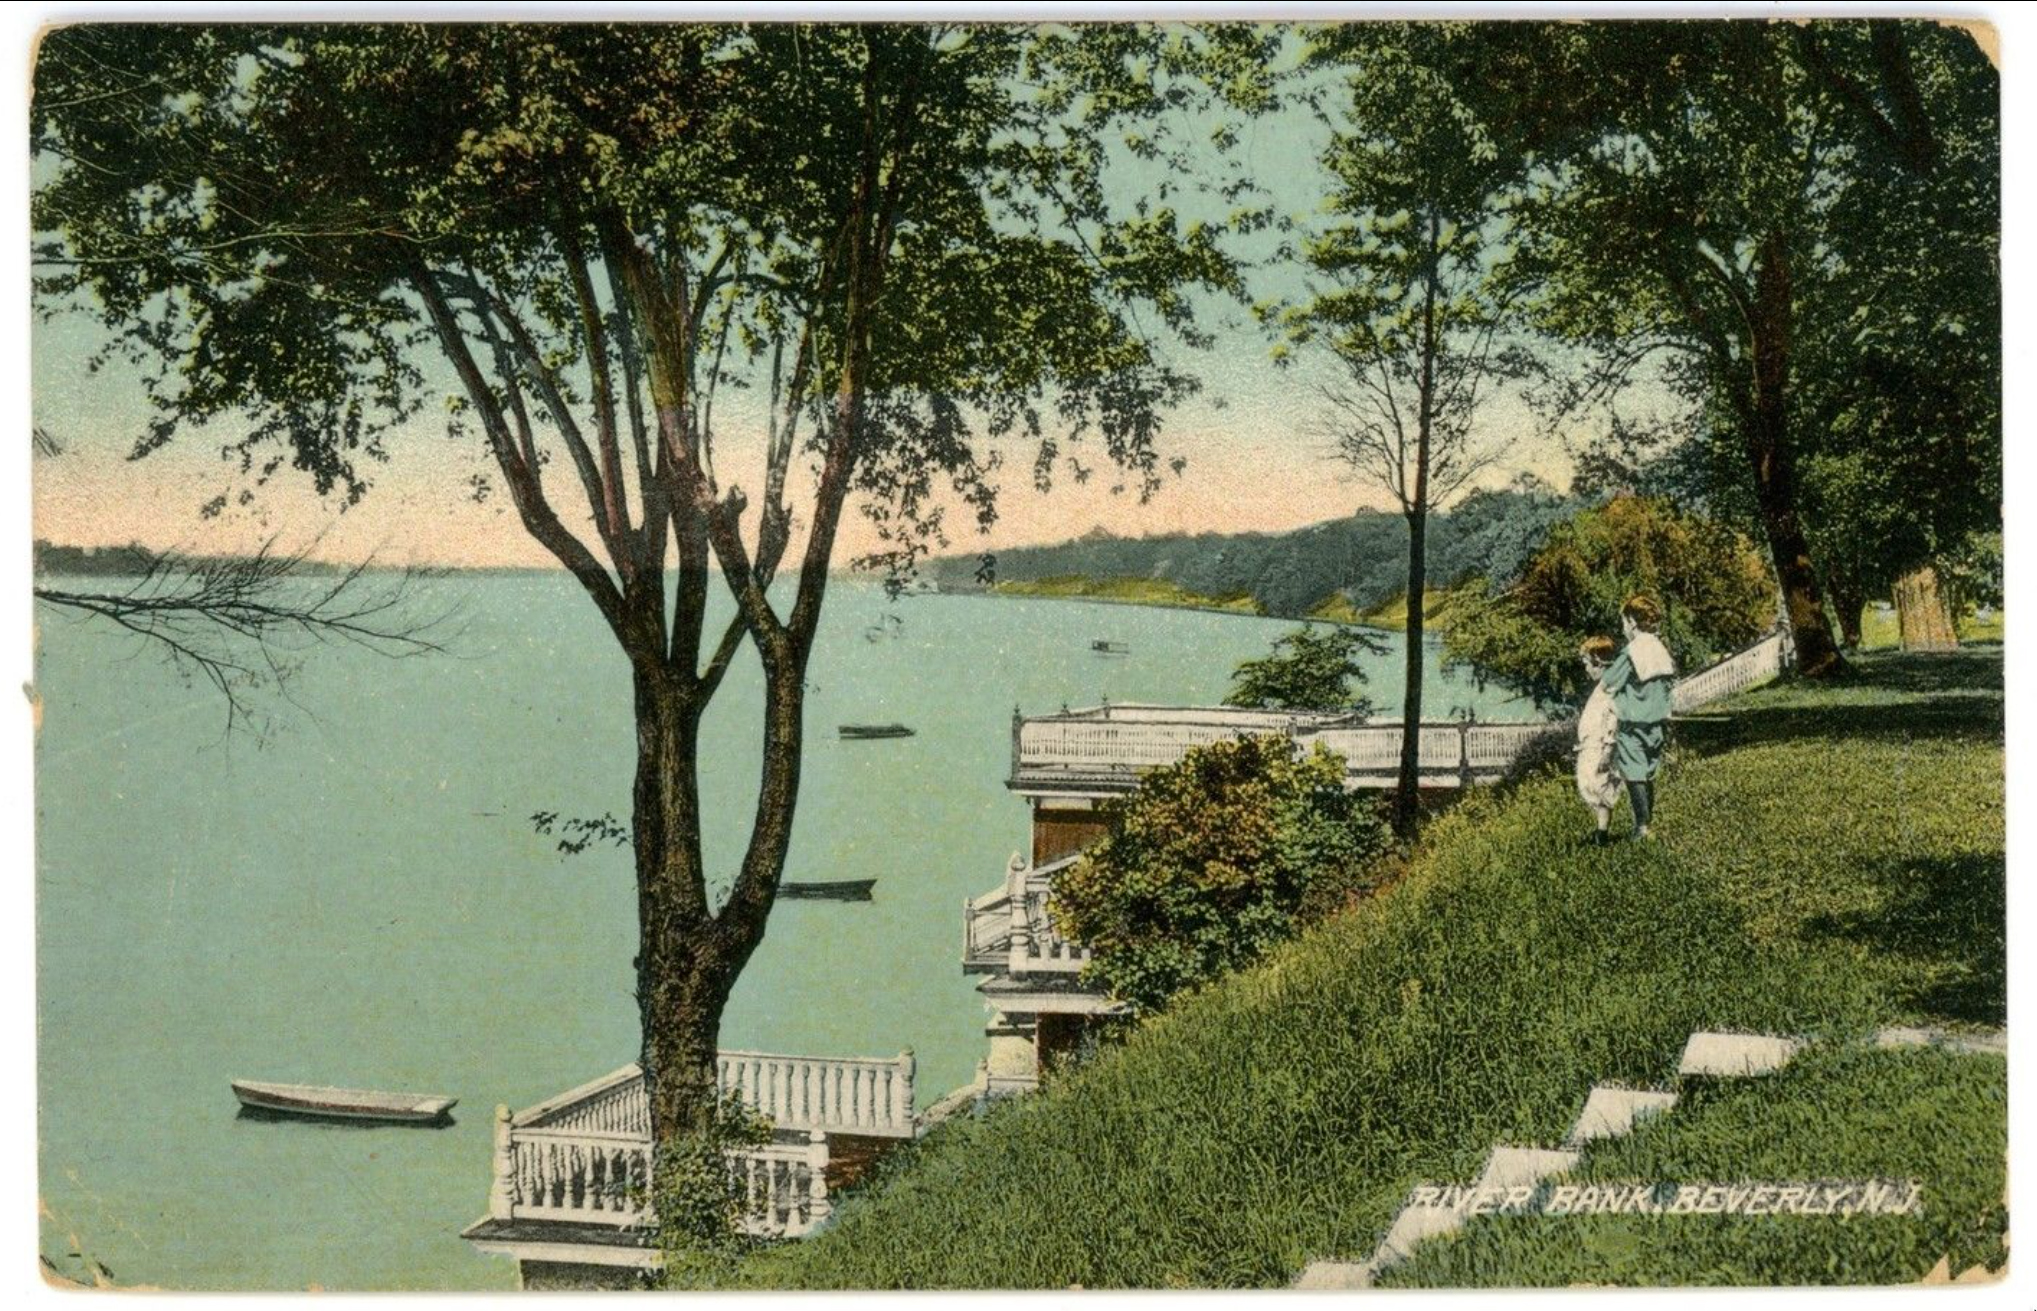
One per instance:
(1765,419)
(1922,615)
(689,957)
(680,985)
(1407,798)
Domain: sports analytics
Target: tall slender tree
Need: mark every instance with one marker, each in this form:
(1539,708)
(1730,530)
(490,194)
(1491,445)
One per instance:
(1403,297)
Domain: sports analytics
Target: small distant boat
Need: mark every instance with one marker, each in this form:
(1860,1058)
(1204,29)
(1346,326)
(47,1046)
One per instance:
(865,732)
(342,1103)
(832,890)
(1102,647)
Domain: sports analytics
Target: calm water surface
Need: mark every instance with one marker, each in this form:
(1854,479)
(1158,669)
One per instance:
(360,900)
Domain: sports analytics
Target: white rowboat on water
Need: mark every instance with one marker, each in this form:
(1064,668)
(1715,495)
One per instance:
(342,1103)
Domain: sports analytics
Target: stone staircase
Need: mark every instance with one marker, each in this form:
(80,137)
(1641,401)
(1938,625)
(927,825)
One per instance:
(1610,1111)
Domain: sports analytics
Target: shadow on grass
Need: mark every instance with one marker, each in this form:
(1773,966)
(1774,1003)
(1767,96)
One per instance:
(1948,916)
(1883,698)
(1972,671)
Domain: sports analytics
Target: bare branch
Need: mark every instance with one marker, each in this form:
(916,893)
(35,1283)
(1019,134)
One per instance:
(235,622)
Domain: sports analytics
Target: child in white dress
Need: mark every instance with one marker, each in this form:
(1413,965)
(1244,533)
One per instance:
(1598,724)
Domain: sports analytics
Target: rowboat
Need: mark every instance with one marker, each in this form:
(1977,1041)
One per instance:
(864,732)
(832,890)
(341,1103)
(1102,647)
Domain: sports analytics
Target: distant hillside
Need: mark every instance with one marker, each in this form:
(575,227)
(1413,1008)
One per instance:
(1362,559)
(135,560)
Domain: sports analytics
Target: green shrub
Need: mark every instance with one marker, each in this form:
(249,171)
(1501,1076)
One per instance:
(1310,669)
(701,1203)
(1715,591)
(1210,862)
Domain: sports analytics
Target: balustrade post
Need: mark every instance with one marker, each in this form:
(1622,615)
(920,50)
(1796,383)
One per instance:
(1021,923)
(1463,753)
(501,1197)
(901,1088)
(818,1205)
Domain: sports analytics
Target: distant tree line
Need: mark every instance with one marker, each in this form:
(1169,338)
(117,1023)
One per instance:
(135,560)
(1362,558)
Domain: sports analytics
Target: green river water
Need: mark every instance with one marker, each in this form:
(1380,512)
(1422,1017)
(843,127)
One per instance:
(359,899)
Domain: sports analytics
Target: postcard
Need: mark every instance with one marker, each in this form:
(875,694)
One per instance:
(970,654)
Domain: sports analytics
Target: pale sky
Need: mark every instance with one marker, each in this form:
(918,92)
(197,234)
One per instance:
(1255,455)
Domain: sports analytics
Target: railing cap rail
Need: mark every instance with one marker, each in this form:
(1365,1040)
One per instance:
(560,1133)
(585,1092)
(810,1060)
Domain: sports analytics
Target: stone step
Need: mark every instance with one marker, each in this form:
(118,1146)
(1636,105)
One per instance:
(1735,1055)
(1611,1111)
(1324,1275)
(1992,1042)
(1411,1227)
(1517,1167)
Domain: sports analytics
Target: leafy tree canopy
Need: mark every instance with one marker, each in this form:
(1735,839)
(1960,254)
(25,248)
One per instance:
(1311,668)
(1717,597)
(580,240)
(1797,224)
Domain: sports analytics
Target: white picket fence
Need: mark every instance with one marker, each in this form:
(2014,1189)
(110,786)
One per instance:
(1758,664)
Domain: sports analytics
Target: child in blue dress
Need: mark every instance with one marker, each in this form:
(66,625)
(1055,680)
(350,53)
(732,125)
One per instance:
(1640,682)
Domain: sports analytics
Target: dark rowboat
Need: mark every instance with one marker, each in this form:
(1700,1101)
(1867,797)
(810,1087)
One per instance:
(834,890)
(341,1103)
(865,732)
(1102,647)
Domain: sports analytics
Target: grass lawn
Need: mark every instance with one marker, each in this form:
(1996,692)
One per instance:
(1125,591)
(1828,859)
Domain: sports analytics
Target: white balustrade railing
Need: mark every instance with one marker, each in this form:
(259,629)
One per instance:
(1757,664)
(1103,745)
(590,1177)
(575,1175)
(871,1096)
(986,925)
(1493,748)
(856,1095)
(1237,719)
(784,1187)
(1009,929)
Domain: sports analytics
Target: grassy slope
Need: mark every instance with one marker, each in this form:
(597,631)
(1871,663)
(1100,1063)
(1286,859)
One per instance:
(1125,591)
(1828,859)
